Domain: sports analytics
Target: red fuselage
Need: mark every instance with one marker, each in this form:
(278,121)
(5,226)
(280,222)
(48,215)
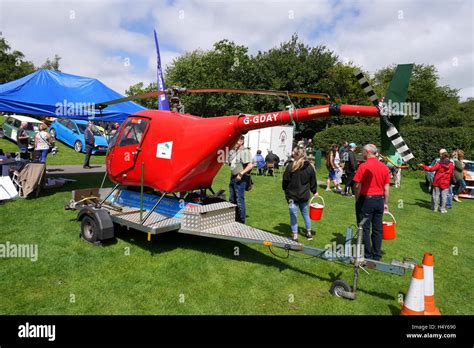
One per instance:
(182,152)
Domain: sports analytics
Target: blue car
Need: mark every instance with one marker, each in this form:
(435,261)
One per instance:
(71,132)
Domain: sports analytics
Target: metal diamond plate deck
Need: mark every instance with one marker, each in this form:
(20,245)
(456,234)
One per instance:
(209,207)
(155,221)
(240,231)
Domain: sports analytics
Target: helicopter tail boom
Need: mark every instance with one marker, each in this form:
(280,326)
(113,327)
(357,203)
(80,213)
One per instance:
(246,123)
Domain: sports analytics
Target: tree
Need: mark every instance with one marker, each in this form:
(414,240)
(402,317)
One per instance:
(150,103)
(424,89)
(52,64)
(12,63)
(227,65)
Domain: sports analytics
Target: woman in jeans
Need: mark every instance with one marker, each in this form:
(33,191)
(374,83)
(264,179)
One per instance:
(299,181)
(42,142)
(459,183)
(442,180)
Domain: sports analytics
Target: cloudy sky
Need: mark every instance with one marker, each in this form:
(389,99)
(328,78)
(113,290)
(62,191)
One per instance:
(112,40)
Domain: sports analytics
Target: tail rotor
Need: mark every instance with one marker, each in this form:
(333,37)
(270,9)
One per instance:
(392,133)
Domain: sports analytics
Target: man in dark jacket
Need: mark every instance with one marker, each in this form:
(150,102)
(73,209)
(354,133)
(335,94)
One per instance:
(271,161)
(350,168)
(299,180)
(90,144)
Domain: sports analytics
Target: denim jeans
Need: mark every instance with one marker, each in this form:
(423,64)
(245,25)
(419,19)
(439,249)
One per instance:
(459,186)
(350,184)
(237,196)
(304,208)
(437,192)
(43,154)
(449,198)
(372,208)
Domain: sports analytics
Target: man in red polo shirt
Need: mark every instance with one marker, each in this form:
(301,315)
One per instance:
(372,190)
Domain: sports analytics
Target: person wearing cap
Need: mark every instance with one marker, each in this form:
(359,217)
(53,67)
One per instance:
(240,161)
(372,193)
(90,144)
(443,169)
(350,168)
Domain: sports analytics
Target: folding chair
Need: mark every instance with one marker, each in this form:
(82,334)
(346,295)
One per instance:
(16,182)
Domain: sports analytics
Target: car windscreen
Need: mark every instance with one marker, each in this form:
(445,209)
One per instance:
(469,166)
(33,127)
(82,129)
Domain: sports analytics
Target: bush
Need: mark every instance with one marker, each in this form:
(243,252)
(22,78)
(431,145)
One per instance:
(424,142)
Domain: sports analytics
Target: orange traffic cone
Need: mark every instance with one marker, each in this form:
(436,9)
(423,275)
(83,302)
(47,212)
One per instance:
(428,264)
(414,303)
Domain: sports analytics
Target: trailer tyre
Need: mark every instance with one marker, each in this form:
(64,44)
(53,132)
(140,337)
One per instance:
(338,286)
(89,229)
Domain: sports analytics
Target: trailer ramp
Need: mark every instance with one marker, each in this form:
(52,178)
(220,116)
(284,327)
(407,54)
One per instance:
(218,221)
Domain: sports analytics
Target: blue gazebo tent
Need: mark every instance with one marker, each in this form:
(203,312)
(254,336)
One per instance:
(55,94)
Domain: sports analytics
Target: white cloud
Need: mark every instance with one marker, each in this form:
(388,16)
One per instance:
(94,37)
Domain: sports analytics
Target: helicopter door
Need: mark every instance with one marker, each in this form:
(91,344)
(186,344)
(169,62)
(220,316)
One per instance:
(124,153)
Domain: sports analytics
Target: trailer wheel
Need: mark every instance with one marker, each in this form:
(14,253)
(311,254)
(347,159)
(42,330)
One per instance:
(89,229)
(338,286)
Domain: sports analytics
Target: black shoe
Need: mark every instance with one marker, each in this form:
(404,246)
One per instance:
(87,167)
(309,236)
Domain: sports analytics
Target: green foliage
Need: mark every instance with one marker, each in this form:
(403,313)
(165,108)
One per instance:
(13,64)
(424,142)
(227,65)
(52,64)
(360,134)
(139,88)
(436,101)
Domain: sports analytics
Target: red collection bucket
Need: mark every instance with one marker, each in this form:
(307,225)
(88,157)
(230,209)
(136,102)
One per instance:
(316,209)
(388,228)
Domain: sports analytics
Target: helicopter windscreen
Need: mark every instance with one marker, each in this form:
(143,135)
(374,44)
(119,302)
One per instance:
(133,132)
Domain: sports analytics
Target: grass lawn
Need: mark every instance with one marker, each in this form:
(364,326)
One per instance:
(182,274)
(65,154)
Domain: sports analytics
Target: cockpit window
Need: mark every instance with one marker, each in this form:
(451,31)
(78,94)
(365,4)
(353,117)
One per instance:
(132,132)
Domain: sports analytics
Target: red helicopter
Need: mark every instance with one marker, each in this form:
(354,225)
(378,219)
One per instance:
(178,154)
(182,152)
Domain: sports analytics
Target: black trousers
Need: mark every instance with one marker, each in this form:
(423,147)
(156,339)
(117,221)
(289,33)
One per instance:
(350,184)
(371,207)
(88,155)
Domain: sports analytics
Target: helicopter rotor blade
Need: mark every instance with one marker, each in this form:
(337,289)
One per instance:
(133,97)
(258,91)
(177,90)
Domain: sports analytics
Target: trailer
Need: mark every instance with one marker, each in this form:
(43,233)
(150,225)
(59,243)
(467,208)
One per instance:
(100,210)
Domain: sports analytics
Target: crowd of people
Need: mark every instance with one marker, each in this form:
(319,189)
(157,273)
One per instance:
(448,180)
(367,179)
